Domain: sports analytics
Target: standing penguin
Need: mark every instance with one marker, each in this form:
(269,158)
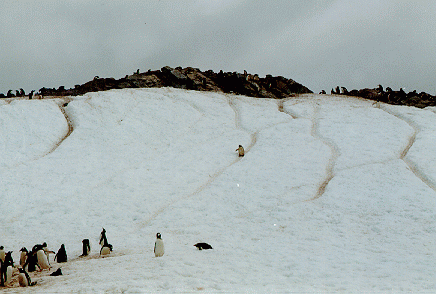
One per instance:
(23,256)
(61,256)
(86,247)
(159,249)
(31,261)
(2,253)
(106,248)
(240,151)
(46,251)
(103,238)
(24,278)
(42,259)
(7,267)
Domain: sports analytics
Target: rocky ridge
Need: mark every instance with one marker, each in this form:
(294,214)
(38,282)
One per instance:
(191,79)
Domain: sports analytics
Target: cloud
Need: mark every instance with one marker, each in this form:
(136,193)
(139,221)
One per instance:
(318,43)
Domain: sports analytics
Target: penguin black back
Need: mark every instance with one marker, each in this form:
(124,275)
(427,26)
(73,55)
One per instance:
(61,256)
(56,273)
(86,247)
(103,239)
(202,246)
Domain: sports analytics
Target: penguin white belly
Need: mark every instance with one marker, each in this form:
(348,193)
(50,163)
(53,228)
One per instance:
(42,259)
(159,249)
(2,255)
(23,258)
(105,250)
(9,274)
(22,280)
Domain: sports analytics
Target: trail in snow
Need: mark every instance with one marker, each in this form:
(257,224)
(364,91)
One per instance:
(280,103)
(413,167)
(239,125)
(334,153)
(70,130)
(213,177)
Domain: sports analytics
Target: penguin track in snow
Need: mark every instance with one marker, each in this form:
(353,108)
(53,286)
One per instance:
(334,153)
(413,167)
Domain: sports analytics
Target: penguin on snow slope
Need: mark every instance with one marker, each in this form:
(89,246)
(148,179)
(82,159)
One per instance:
(23,256)
(7,266)
(241,151)
(202,246)
(24,278)
(61,256)
(41,256)
(106,248)
(159,249)
(2,253)
(86,247)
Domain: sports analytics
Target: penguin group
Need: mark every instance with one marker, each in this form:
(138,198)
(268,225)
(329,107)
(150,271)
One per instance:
(39,257)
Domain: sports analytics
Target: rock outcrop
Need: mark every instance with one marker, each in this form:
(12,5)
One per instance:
(389,96)
(191,79)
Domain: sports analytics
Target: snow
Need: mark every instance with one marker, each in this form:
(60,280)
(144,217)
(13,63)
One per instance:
(334,194)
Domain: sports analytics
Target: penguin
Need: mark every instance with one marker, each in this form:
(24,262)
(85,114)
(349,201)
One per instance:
(159,249)
(86,247)
(56,273)
(202,246)
(106,248)
(7,267)
(240,151)
(61,256)
(31,94)
(103,238)
(2,253)
(31,261)
(23,256)
(24,278)
(46,251)
(42,259)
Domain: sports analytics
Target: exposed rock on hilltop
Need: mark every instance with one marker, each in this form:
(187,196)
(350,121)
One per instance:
(390,96)
(191,79)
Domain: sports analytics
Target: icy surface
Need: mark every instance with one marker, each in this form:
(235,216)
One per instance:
(333,194)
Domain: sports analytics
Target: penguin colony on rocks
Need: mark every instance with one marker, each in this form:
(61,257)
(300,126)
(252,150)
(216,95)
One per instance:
(39,257)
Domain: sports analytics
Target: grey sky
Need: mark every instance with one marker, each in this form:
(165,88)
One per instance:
(320,44)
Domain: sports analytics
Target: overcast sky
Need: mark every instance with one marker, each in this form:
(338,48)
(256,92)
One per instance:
(319,43)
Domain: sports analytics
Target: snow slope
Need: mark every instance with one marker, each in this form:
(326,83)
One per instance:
(333,194)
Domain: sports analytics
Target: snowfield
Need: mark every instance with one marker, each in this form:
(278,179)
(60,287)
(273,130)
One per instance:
(334,194)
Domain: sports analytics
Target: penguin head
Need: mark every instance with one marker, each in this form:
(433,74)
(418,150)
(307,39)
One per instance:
(240,145)
(44,244)
(21,270)
(1,247)
(24,249)
(158,236)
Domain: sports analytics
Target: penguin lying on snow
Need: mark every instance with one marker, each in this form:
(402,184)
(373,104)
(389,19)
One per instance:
(202,246)
(86,247)
(24,278)
(159,249)
(61,256)
(56,273)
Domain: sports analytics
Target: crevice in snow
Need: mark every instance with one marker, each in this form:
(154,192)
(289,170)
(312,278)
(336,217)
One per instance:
(403,154)
(334,154)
